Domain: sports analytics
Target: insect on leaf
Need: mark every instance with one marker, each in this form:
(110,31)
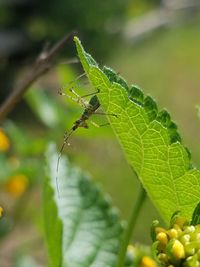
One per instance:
(149,139)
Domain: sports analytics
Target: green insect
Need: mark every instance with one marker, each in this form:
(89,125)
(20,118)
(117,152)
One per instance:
(90,108)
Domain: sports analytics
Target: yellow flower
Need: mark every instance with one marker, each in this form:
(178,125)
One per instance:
(4,141)
(147,262)
(1,211)
(17,185)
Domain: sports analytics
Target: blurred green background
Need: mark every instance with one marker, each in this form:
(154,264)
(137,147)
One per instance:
(154,44)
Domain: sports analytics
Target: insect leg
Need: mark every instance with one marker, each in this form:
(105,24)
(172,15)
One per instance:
(70,61)
(68,96)
(94,93)
(66,137)
(107,114)
(79,98)
(73,81)
(98,125)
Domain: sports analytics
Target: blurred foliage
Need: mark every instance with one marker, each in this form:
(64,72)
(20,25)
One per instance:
(91,18)
(48,20)
(26,26)
(137,7)
(166,65)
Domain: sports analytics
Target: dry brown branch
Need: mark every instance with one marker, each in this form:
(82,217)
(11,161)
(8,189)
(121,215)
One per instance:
(42,65)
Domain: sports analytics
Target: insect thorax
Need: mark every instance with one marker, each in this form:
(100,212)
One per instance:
(94,103)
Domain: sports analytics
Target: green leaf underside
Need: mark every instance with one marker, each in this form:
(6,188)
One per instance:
(91,230)
(149,139)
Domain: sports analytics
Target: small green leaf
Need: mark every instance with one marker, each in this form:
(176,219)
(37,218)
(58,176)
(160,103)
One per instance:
(149,139)
(155,223)
(196,215)
(154,250)
(80,221)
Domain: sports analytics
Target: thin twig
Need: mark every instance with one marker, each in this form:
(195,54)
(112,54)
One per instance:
(43,64)
(70,61)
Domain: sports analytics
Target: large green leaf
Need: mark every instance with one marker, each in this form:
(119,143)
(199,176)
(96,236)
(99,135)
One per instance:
(82,229)
(149,139)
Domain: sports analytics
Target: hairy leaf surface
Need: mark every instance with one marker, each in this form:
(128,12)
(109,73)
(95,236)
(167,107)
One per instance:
(149,139)
(82,227)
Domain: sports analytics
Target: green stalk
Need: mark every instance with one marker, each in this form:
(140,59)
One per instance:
(131,225)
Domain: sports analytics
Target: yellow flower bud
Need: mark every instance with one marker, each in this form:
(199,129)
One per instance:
(197,236)
(1,211)
(178,250)
(172,233)
(180,221)
(162,237)
(177,228)
(163,257)
(147,262)
(17,185)
(160,229)
(189,250)
(185,239)
(4,141)
(189,229)
(182,247)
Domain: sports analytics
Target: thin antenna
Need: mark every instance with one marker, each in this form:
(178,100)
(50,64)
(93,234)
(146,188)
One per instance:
(66,137)
(72,81)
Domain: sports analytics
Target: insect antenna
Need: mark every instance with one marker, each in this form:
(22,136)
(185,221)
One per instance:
(72,82)
(66,137)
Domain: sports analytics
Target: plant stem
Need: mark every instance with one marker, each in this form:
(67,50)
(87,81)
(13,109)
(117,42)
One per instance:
(131,225)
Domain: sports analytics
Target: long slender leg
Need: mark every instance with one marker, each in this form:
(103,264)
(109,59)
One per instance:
(73,60)
(93,93)
(80,101)
(73,81)
(80,98)
(107,114)
(60,91)
(75,99)
(98,125)
(66,137)
(68,96)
